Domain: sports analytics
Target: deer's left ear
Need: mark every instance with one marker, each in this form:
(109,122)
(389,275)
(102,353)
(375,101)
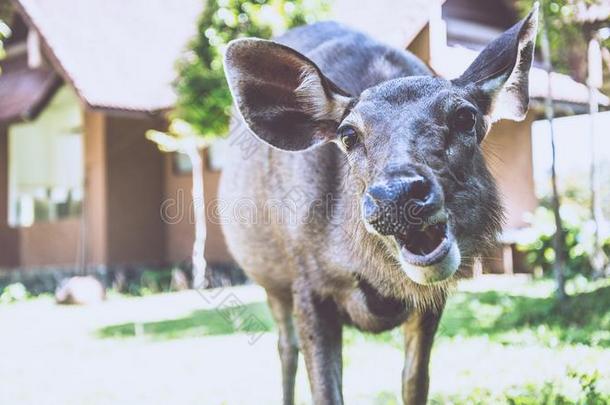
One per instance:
(499,75)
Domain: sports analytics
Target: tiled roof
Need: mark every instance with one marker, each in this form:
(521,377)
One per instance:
(117,54)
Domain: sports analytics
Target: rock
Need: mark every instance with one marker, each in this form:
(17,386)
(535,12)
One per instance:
(80,291)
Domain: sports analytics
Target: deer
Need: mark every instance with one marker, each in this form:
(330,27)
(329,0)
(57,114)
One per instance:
(395,197)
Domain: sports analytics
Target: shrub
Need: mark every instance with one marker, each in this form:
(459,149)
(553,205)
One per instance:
(537,242)
(13,293)
(584,392)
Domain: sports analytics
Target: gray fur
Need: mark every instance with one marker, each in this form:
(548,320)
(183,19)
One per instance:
(293,216)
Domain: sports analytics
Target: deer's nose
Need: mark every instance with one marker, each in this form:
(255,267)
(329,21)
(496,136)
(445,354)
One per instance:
(395,204)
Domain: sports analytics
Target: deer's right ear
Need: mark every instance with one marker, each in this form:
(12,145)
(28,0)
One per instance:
(282,95)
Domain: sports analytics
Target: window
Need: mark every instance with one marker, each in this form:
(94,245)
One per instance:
(46,164)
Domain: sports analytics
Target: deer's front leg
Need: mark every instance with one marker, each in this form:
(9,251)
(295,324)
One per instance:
(419,330)
(281,309)
(319,329)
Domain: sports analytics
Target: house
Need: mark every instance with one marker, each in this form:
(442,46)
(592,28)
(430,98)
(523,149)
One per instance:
(82,189)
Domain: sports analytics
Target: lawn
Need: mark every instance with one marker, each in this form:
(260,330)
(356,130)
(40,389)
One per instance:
(501,340)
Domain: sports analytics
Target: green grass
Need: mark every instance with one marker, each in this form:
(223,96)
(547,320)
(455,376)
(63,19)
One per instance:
(510,319)
(504,317)
(198,323)
(531,316)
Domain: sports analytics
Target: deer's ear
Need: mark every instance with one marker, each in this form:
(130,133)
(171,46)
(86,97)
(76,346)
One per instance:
(282,95)
(500,72)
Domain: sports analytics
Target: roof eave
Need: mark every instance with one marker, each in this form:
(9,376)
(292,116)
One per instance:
(129,113)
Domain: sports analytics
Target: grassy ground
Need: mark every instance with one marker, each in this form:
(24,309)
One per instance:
(502,340)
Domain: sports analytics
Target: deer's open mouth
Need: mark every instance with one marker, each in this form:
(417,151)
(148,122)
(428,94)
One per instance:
(429,253)
(425,246)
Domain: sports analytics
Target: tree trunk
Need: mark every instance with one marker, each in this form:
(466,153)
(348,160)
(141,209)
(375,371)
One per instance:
(558,240)
(199,263)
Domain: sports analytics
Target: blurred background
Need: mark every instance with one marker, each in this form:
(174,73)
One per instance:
(113,124)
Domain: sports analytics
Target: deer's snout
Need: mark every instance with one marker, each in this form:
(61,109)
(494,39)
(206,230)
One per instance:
(409,208)
(403,201)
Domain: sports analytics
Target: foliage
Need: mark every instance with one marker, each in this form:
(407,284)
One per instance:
(523,317)
(204,98)
(153,282)
(5,31)
(550,393)
(537,242)
(15,292)
(148,282)
(566,32)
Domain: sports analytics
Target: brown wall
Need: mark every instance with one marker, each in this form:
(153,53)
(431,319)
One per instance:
(9,238)
(215,246)
(51,244)
(3,175)
(124,190)
(420,46)
(178,213)
(9,247)
(134,170)
(508,149)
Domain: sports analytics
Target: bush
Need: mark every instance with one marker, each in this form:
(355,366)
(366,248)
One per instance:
(537,242)
(13,293)
(154,282)
(581,389)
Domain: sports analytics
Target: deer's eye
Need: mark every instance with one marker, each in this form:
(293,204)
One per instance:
(465,119)
(348,136)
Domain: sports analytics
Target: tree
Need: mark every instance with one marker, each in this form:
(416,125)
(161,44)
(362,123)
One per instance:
(203,110)
(569,24)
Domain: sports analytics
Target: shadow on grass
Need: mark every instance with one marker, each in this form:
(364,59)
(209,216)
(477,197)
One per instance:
(251,319)
(584,318)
